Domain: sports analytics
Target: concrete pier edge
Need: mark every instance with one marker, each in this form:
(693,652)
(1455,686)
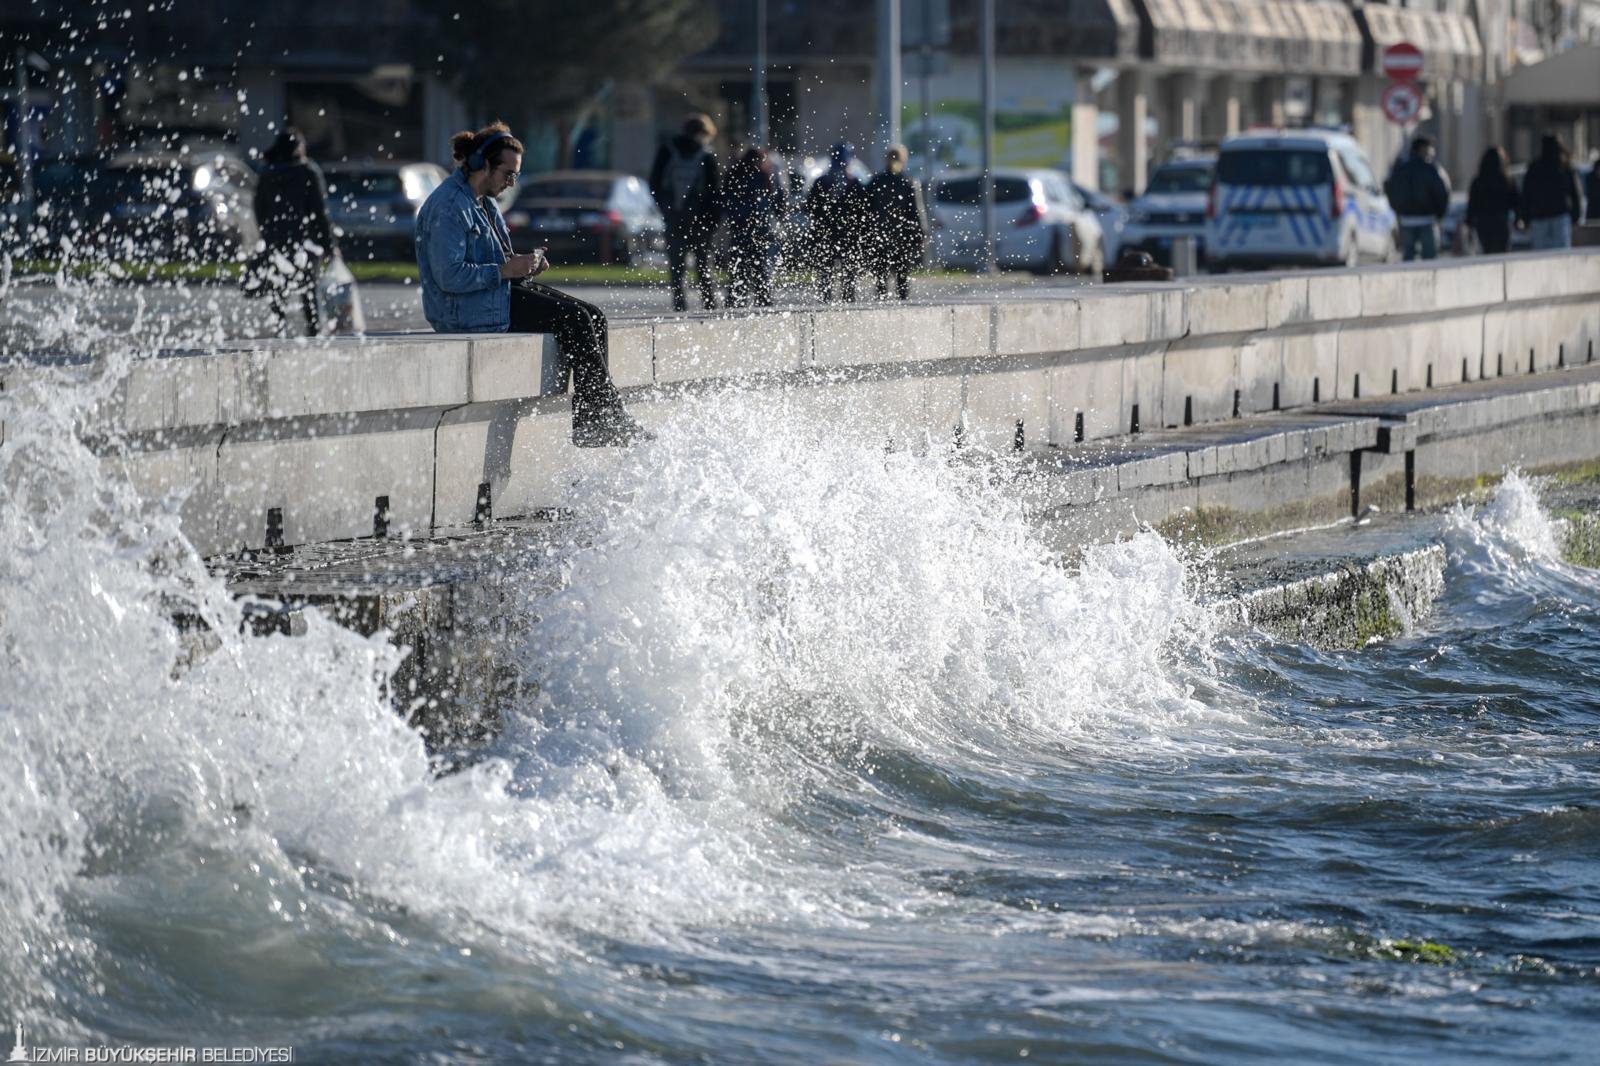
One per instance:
(1221,408)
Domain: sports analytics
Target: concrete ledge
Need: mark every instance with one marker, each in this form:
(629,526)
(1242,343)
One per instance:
(1229,308)
(882,335)
(441,423)
(1030,328)
(699,348)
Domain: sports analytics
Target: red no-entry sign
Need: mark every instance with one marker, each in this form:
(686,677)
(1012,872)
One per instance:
(1402,101)
(1402,62)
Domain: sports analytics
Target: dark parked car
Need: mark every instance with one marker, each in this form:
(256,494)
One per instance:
(175,206)
(592,216)
(63,197)
(375,205)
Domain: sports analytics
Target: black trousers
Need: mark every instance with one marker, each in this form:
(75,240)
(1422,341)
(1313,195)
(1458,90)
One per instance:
(750,277)
(580,330)
(278,302)
(842,268)
(1494,234)
(680,243)
(902,283)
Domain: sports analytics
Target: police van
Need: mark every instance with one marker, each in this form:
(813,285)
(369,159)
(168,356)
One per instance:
(1296,197)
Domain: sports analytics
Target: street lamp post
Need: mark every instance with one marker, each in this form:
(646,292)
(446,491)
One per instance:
(20,145)
(758,83)
(987,44)
(927,109)
(888,76)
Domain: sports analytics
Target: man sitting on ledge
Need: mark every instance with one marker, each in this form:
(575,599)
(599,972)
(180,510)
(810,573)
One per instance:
(474,282)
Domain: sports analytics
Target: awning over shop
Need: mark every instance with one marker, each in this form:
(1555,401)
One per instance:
(1449,43)
(1567,79)
(1259,36)
(1090,29)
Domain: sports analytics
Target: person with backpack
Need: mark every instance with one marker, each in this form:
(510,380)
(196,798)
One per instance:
(687,186)
(754,212)
(1419,192)
(1492,202)
(297,233)
(841,219)
(1551,200)
(902,223)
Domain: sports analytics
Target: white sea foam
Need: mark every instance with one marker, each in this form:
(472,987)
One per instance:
(748,604)
(1509,547)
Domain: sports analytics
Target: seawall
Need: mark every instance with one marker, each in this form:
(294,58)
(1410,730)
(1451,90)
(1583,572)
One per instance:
(1224,407)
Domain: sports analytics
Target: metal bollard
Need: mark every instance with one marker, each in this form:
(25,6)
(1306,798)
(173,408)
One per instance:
(1185,261)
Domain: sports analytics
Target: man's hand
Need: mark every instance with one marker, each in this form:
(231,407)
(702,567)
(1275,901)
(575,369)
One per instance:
(522,266)
(544,263)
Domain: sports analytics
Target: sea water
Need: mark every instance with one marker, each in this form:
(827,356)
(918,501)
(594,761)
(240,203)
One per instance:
(827,759)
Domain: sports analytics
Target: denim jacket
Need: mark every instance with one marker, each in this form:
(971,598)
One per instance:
(459,259)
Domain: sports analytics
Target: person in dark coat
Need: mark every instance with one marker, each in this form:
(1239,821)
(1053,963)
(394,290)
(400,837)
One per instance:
(840,221)
(1492,202)
(687,185)
(1551,199)
(297,234)
(1419,192)
(753,207)
(901,223)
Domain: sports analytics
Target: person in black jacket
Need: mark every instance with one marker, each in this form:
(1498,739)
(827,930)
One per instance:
(1492,202)
(298,237)
(840,221)
(1551,199)
(687,186)
(901,220)
(753,209)
(1419,192)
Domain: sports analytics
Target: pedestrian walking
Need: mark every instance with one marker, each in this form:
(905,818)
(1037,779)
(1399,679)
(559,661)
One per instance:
(686,183)
(840,220)
(1551,199)
(753,207)
(1419,192)
(297,234)
(473,282)
(1493,202)
(901,221)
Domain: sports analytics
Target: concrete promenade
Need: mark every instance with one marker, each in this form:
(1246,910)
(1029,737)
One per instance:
(1233,404)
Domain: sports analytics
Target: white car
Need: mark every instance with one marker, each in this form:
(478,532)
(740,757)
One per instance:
(1041,223)
(1296,197)
(1172,207)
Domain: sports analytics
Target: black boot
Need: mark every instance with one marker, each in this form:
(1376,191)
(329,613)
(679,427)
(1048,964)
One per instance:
(611,427)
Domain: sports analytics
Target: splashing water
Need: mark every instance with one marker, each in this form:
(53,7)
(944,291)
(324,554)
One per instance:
(746,620)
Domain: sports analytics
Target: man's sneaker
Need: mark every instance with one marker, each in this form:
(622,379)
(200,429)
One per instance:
(612,429)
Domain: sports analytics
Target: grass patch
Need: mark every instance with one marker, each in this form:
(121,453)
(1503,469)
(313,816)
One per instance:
(131,272)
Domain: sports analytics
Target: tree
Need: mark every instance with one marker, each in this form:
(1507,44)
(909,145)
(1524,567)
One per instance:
(551,59)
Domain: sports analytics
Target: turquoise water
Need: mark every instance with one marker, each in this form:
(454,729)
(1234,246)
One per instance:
(829,762)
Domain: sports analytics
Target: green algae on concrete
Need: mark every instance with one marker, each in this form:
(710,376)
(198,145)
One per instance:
(1428,952)
(1581,544)
(1350,606)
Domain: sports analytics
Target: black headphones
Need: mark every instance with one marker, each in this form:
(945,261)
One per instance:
(476,161)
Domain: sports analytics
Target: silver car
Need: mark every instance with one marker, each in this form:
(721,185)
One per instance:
(375,205)
(1173,206)
(1041,223)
